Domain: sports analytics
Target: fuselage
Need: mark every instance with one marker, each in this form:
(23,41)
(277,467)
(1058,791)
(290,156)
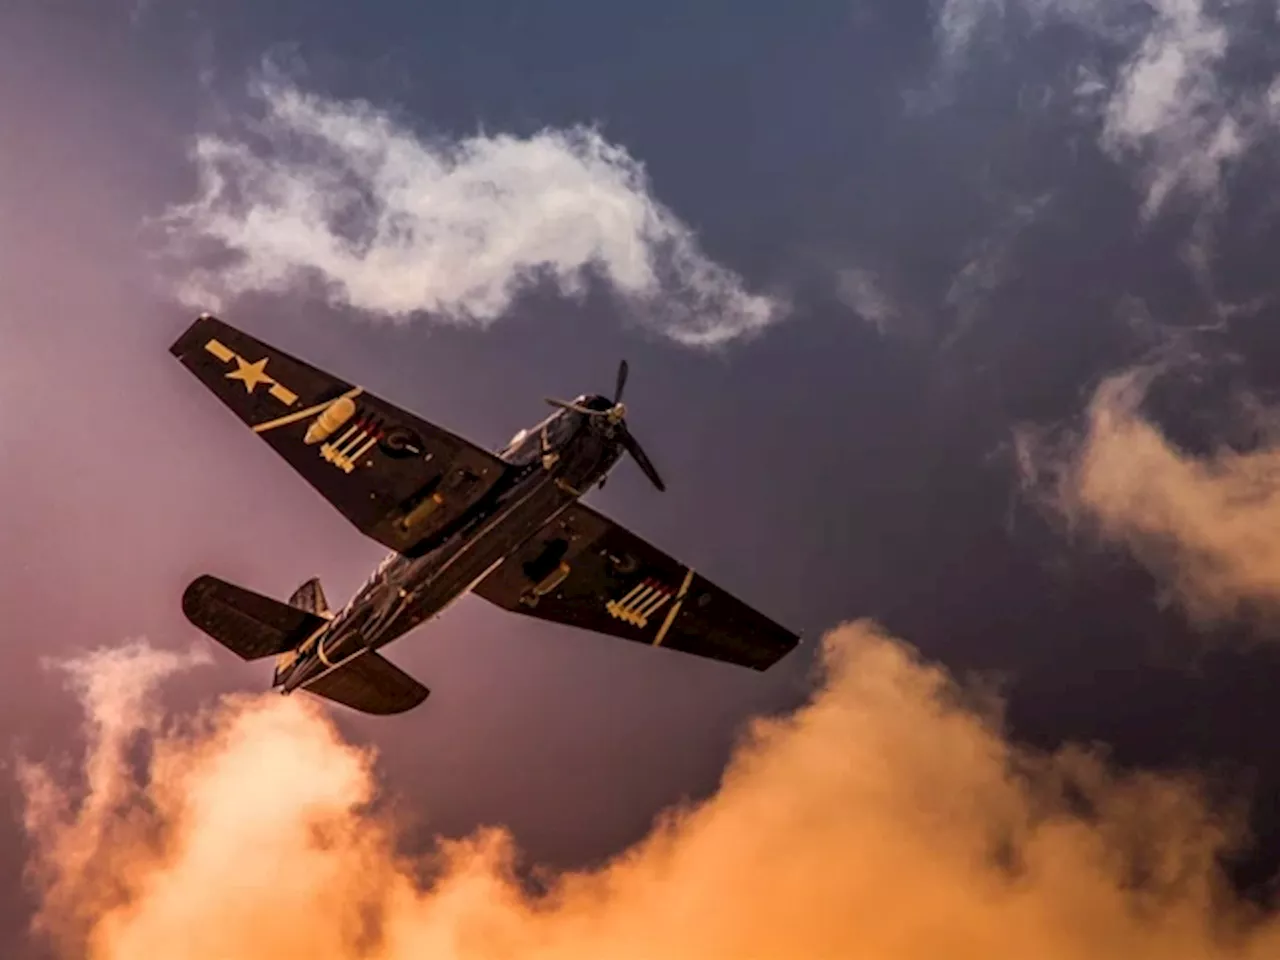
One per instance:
(549,467)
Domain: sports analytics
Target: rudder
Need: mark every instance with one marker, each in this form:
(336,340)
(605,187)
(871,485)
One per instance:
(310,597)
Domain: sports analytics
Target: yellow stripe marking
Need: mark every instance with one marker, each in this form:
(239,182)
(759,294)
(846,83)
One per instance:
(283,394)
(302,414)
(219,350)
(671,614)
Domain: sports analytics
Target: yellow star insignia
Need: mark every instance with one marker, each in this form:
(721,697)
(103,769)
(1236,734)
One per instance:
(250,374)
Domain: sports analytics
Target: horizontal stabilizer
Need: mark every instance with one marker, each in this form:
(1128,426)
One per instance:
(371,684)
(246,623)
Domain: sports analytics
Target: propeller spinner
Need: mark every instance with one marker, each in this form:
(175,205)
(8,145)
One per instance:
(616,414)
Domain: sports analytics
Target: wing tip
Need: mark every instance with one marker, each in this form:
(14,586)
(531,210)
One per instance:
(180,346)
(372,685)
(193,597)
(393,710)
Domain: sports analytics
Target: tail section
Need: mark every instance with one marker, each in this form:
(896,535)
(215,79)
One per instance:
(248,624)
(371,684)
(253,627)
(310,597)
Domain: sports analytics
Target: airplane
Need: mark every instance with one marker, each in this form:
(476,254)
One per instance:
(507,526)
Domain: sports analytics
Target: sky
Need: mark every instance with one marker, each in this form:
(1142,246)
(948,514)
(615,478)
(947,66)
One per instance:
(951,330)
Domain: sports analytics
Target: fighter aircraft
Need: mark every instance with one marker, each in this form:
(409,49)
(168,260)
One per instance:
(507,526)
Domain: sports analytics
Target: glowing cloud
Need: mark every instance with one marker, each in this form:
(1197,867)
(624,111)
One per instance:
(1207,527)
(394,225)
(886,819)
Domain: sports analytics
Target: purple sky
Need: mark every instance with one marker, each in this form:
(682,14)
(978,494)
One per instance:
(943,268)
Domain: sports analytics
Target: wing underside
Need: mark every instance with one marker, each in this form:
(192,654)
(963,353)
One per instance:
(396,477)
(589,572)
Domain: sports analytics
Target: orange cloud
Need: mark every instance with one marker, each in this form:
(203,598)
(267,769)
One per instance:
(1208,528)
(888,819)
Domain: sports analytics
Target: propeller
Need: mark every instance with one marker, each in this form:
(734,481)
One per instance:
(621,383)
(616,415)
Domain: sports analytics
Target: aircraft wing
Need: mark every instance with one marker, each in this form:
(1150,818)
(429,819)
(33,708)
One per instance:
(586,571)
(397,478)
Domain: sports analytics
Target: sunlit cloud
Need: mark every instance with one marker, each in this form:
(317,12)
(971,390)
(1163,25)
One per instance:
(1207,526)
(887,818)
(396,225)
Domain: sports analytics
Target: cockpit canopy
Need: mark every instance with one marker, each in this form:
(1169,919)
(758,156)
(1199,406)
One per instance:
(526,446)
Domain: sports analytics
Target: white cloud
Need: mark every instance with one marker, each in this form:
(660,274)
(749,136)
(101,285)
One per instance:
(1166,105)
(959,21)
(393,224)
(1169,109)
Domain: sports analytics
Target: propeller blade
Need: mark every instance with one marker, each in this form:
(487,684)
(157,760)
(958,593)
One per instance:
(622,382)
(566,405)
(632,446)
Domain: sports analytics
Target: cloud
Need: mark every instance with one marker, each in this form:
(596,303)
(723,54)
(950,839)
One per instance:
(82,869)
(393,224)
(961,25)
(1169,108)
(862,291)
(1162,100)
(988,261)
(1207,527)
(888,819)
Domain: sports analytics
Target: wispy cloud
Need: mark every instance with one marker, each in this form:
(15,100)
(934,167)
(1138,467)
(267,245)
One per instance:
(863,292)
(1207,527)
(1169,109)
(1163,101)
(394,224)
(891,797)
(82,871)
(988,261)
(961,26)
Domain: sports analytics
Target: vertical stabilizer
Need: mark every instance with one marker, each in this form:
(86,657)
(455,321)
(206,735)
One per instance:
(310,597)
